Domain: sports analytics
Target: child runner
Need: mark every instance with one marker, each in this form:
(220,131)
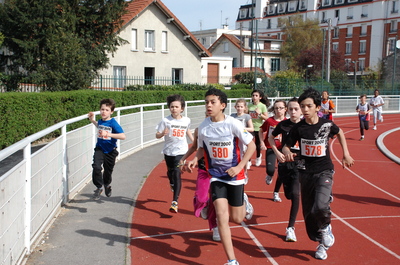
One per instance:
(312,134)
(175,127)
(327,106)
(241,115)
(363,110)
(376,103)
(258,111)
(202,204)
(221,140)
(288,171)
(105,152)
(279,110)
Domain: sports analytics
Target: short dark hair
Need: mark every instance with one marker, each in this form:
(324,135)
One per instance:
(176,97)
(311,93)
(293,99)
(108,102)
(223,98)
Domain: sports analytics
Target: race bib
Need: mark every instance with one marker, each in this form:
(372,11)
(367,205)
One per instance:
(313,148)
(177,131)
(220,150)
(104,128)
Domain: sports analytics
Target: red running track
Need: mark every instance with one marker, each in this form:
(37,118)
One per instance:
(366,214)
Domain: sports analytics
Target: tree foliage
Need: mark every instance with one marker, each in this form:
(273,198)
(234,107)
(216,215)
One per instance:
(59,44)
(300,35)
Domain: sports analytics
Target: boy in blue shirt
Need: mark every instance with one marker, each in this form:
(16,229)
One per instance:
(105,153)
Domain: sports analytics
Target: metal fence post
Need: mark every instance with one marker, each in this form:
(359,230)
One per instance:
(65,163)
(28,195)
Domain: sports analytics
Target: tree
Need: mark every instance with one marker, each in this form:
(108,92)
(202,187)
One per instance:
(60,44)
(300,35)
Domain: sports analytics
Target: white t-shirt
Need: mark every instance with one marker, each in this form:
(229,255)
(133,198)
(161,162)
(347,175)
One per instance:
(376,101)
(175,141)
(223,144)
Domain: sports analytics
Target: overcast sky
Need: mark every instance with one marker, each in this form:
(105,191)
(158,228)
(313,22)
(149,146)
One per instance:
(210,13)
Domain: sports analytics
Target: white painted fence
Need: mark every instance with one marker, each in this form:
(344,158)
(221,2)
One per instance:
(34,185)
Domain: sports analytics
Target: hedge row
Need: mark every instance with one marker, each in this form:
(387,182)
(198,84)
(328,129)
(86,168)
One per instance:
(23,114)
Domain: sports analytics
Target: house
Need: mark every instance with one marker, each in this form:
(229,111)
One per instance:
(208,36)
(365,30)
(265,53)
(160,48)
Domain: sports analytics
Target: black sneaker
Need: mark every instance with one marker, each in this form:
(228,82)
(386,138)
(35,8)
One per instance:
(108,191)
(97,193)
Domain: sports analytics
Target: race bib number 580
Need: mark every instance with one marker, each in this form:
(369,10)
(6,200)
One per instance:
(220,150)
(313,148)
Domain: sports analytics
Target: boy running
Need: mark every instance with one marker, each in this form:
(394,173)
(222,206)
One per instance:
(316,179)
(221,142)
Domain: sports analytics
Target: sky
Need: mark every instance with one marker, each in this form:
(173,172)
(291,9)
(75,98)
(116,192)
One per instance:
(210,13)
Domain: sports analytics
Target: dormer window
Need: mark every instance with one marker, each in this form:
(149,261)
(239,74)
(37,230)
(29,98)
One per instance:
(303,5)
(281,7)
(339,2)
(243,13)
(271,9)
(326,2)
(292,6)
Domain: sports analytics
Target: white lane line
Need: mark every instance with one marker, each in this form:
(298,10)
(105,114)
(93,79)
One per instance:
(259,245)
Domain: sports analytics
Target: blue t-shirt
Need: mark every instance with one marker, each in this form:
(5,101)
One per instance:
(112,126)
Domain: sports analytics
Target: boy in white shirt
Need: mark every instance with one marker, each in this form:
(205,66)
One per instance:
(376,103)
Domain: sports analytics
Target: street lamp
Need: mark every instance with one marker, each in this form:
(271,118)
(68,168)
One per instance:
(355,73)
(308,72)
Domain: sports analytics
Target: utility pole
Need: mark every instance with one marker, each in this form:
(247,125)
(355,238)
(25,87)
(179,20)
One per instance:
(355,73)
(251,39)
(396,46)
(241,45)
(328,59)
(255,59)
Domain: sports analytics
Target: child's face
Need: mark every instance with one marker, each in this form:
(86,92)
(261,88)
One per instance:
(279,109)
(240,108)
(175,108)
(324,95)
(105,112)
(309,109)
(376,93)
(214,107)
(363,99)
(255,97)
(294,110)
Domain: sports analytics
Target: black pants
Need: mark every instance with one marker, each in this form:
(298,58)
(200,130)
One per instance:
(174,174)
(101,159)
(257,142)
(270,162)
(316,191)
(289,175)
(363,124)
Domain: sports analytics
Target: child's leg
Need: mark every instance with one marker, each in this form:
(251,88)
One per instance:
(270,161)
(257,142)
(307,185)
(172,164)
(294,208)
(97,175)
(375,111)
(362,123)
(201,194)
(109,163)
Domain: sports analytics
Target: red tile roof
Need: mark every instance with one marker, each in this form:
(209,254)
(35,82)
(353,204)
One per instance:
(136,7)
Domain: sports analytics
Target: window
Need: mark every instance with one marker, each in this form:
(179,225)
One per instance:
(149,75)
(339,2)
(268,23)
(364,11)
(350,13)
(348,47)
(203,41)
(149,40)
(164,41)
(134,40)
(243,13)
(119,76)
(303,5)
(335,46)
(347,63)
(281,7)
(395,6)
(361,64)
(336,32)
(393,26)
(177,74)
(326,2)
(271,9)
(235,62)
(260,63)
(349,31)
(352,1)
(292,6)
(323,18)
(337,14)
(363,46)
(363,29)
(226,46)
(275,64)
(391,45)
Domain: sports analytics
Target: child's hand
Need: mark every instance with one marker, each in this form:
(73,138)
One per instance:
(166,131)
(347,161)
(233,171)
(191,165)
(91,116)
(103,134)
(281,157)
(290,157)
(262,146)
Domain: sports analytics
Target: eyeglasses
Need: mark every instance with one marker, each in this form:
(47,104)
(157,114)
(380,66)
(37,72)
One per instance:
(279,108)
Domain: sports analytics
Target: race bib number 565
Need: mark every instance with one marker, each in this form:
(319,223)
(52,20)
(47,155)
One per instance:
(313,148)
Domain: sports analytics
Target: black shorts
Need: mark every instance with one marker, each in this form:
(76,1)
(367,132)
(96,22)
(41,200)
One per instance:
(233,193)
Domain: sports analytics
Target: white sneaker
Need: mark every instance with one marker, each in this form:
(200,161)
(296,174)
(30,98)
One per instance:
(276,197)
(249,207)
(321,252)
(258,161)
(232,263)
(328,239)
(374,128)
(268,179)
(204,213)
(290,235)
(248,164)
(216,236)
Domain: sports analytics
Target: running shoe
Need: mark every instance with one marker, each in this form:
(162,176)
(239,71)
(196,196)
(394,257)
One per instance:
(276,197)
(321,252)
(290,235)
(268,179)
(248,164)
(97,193)
(108,191)
(374,128)
(249,207)
(362,139)
(204,213)
(381,119)
(174,207)
(258,161)
(327,237)
(216,236)
(233,262)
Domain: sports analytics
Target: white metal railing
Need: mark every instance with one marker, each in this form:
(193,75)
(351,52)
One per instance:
(33,188)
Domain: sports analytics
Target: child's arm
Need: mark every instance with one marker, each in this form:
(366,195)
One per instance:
(250,125)
(233,171)
(92,120)
(191,150)
(106,134)
(162,134)
(289,156)
(347,160)
(279,155)
(260,136)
